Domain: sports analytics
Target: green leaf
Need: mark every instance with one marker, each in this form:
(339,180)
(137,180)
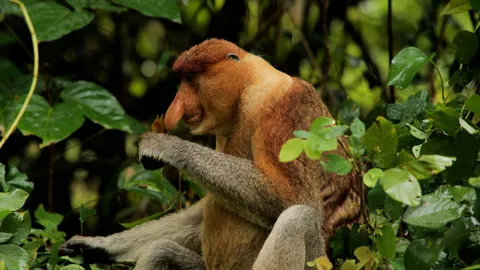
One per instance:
(46,219)
(321,144)
(3,184)
(401,186)
(16,179)
(357,127)
(474,181)
(97,104)
(349,110)
(12,200)
(467,45)
(386,241)
(456,6)
(473,103)
(302,134)
(356,145)
(53,21)
(337,164)
(162,8)
(312,154)
(336,131)
(461,194)
(476,6)
(320,123)
(50,124)
(32,247)
(405,66)
(18,224)
(467,126)
(417,133)
(72,267)
(436,210)
(445,119)
(421,254)
(291,150)
(410,109)
(86,213)
(14,257)
(381,142)
(95,4)
(4,237)
(393,209)
(371,177)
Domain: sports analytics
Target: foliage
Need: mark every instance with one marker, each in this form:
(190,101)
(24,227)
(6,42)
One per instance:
(418,157)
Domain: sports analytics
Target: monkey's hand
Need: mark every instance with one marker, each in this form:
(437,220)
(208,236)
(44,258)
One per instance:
(88,247)
(152,146)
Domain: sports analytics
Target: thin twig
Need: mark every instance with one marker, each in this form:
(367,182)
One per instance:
(28,21)
(390,46)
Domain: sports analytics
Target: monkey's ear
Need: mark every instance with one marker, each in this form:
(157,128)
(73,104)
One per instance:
(233,56)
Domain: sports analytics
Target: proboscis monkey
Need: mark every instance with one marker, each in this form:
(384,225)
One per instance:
(258,213)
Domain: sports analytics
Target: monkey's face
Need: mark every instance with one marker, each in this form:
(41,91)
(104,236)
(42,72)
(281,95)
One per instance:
(208,97)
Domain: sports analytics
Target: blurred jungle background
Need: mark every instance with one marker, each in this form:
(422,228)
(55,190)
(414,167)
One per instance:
(111,61)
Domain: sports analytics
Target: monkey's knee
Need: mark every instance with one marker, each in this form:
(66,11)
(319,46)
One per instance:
(168,255)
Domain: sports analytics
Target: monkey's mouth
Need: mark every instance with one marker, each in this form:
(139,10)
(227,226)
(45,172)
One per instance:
(192,120)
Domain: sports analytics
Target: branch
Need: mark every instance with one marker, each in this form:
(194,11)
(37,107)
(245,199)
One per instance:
(265,27)
(28,21)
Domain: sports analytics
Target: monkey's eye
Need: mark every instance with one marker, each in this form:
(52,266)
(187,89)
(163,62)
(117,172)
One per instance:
(233,57)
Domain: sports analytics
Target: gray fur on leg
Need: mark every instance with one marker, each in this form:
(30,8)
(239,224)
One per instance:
(295,239)
(168,255)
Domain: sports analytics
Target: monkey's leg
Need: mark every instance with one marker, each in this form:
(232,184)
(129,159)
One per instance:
(167,255)
(128,246)
(295,239)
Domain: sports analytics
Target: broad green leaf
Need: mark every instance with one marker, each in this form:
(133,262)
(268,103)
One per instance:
(86,213)
(405,66)
(406,112)
(356,145)
(302,134)
(371,177)
(14,257)
(291,150)
(317,143)
(4,237)
(349,110)
(445,119)
(312,154)
(160,8)
(473,103)
(436,210)
(467,45)
(72,267)
(12,200)
(461,194)
(50,124)
(474,181)
(337,164)
(16,179)
(386,241)
(456,6)
(97,104)
(7,7)
(401,186)
(381,142)
(467,126)
(476,6)
(357,127)
(19,224)
(320,123)
(421,254)
(349,265)
(47,219)
(358,237)
(393,209)
(95,4)
(417,133)
(53,21)
(336,131)
(32,247)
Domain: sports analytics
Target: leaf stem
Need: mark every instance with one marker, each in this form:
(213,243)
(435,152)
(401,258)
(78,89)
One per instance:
(28,21)
(441,80)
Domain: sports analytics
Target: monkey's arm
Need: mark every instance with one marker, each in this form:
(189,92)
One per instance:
(230,178)
(128,246)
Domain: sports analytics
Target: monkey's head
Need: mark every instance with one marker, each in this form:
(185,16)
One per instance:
(213,76)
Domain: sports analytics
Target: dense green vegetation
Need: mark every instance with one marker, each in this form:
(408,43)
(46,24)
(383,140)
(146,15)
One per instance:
(94,73)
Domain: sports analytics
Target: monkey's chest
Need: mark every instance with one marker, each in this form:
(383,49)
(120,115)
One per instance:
(229,241)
